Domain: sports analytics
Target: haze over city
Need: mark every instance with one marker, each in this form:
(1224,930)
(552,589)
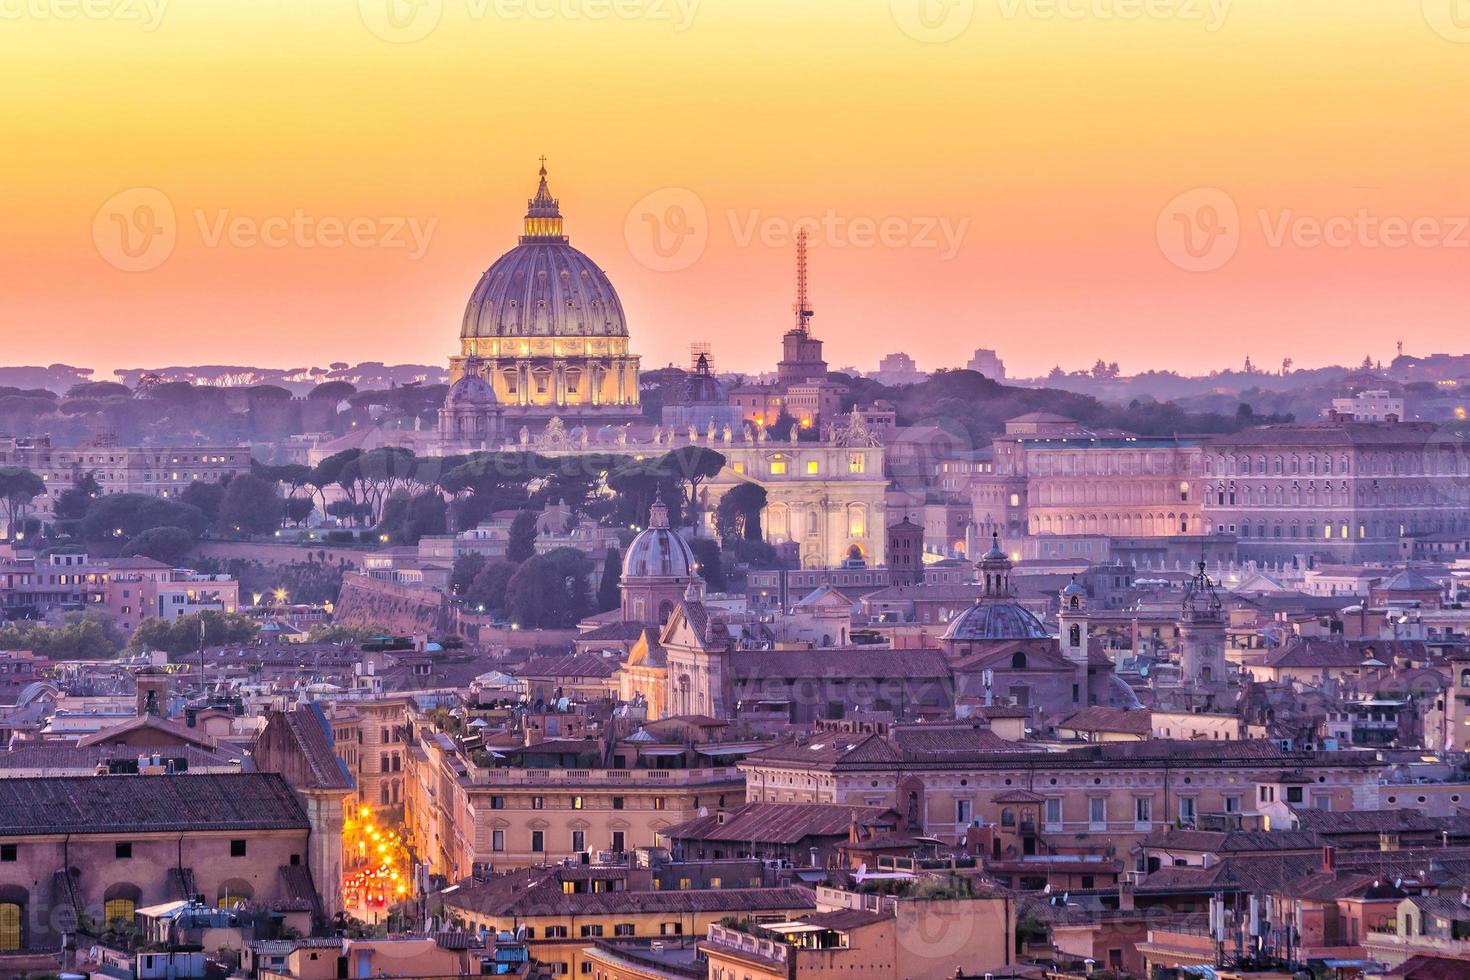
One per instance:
(734,490)
(1013,185)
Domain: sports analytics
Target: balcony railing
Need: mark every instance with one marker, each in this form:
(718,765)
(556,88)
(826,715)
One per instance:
(744,942)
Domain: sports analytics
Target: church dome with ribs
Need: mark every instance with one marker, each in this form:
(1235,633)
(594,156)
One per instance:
(659,551)
(543,287)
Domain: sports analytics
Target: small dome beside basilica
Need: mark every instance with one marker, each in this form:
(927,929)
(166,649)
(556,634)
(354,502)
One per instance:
(470,390)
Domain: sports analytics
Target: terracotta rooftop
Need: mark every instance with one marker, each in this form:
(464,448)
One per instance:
(180,803)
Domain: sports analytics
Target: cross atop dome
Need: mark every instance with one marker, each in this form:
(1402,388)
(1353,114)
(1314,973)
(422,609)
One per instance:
(543,214)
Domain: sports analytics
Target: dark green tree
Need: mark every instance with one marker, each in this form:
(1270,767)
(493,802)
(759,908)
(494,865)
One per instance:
(522,543)
(487,591)
(82,636)
(466,567)
(609,596)
(407,518)
(169,545)
(73,502)
(298,509)
(738,514)
(122,516)
(250,505)
(709,559)
(205,496)
(18,487)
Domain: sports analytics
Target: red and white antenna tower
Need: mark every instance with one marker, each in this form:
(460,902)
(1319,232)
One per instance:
(803,306)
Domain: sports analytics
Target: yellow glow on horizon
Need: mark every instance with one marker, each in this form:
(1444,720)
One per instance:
(1054,140)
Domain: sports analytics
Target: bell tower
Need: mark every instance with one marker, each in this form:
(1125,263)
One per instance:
(1202,639)
(1072,621)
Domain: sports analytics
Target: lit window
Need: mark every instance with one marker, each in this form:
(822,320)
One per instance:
(778,467)
(812,467)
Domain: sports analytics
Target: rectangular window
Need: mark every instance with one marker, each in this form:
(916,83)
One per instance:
(556,932)
(1232,804)
(497,803)
(1097,810)
(589,932)
(497,840)
(576,803)
(122,850)
(962,811)
(659,802)
(617,840)
(1054,810)
(7,852)
(778,468)
(579,840)
(1143,810)
(1186,809)
(237,848)
(812,467)
(538,802)
(538,840)
(617,802)
(623,929)
(671,928)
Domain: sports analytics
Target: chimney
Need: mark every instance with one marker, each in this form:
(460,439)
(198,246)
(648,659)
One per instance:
(1329,859)
(1125,895)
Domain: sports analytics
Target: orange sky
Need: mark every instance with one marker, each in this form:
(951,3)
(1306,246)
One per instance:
(1015,174)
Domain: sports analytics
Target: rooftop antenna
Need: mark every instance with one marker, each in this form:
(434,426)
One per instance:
(803,306)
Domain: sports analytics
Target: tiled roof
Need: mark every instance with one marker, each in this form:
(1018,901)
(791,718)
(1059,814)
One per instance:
(1311,652)
(313,733)
(619,632)
(777,823)
(1366,821)
(175,731)
(568,665)
(98,804)
(60,758)
(537,892)
(838,662)
(1233,841)
(1102,719)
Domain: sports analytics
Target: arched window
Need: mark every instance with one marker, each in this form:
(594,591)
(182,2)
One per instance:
(1018,661)
(119,903)
(1075,636)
